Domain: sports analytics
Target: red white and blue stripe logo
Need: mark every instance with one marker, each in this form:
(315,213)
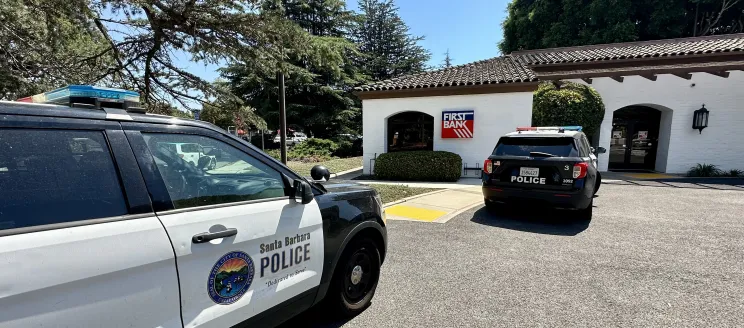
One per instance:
(458,124)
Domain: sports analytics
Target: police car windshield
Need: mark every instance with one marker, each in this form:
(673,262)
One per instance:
(523,146)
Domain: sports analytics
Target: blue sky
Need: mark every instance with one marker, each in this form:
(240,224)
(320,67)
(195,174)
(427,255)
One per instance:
(470,29)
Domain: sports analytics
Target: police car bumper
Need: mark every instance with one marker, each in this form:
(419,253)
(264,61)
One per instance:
(577,199)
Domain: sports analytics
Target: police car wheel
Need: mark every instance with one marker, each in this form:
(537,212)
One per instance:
(598,183)
(356,277)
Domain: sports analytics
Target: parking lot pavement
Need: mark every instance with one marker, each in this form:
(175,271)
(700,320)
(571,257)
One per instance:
(651,256)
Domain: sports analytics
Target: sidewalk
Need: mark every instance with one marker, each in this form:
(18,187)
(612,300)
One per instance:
(438,206)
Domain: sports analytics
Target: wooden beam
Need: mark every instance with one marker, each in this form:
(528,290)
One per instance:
(721,74)
(617,78)
(651,77)
(686,76)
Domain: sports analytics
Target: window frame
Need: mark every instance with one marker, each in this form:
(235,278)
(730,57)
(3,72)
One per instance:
(130,181)
(162,202)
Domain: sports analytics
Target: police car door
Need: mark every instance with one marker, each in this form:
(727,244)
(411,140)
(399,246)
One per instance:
(242,245)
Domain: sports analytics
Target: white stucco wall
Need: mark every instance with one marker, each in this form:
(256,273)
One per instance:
(722,143)
(495,115)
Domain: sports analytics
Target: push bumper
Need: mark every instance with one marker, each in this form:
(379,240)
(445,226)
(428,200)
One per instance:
(550,198)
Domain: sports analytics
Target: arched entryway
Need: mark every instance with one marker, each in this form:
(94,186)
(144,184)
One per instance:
(410,131)
(639,140)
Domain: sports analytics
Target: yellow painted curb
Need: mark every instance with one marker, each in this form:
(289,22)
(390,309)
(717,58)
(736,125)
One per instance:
(416,213)
(649,175)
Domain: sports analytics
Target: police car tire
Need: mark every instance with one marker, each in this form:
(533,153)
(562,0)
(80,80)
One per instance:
(338,298)
(492,206)
(598,183)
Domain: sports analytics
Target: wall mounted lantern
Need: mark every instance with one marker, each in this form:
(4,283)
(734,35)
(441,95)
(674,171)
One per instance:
(700,119)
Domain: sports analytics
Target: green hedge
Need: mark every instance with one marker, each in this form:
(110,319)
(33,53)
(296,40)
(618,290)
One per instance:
(418,166)
(567,103)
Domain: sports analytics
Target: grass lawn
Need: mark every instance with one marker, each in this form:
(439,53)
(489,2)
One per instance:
(391,193)
(334,165)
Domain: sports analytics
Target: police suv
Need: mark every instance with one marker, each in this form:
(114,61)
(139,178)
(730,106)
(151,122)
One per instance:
(549,165)
(103,224)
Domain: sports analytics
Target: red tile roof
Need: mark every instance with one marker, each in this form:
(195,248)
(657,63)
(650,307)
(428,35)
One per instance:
(631,50)
(490,71)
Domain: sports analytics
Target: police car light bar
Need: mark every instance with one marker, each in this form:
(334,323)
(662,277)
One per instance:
(88,96)
(550,128)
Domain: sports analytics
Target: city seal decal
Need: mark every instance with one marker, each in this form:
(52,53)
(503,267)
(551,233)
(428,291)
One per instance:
(230,278)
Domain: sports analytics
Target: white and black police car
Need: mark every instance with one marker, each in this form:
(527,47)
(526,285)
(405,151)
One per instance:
(102,224)
(543,165)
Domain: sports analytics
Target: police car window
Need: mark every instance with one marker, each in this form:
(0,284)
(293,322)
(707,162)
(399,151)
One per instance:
(522,146)
(54,176)
(221,173)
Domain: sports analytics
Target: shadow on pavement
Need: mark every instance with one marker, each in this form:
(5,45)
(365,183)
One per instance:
(317,317)
(542,221)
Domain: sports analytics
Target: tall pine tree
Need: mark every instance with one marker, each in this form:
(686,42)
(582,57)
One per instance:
(319,80)
(385,40)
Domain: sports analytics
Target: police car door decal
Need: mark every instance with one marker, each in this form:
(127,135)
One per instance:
(276,254)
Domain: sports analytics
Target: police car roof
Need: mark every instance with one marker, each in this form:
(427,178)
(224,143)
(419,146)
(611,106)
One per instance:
(549,133)
(48,110)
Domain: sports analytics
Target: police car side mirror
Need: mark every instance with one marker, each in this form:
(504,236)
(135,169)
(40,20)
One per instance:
(600,150)
(302,192)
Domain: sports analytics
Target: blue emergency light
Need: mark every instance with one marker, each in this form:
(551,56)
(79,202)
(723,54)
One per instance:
(88,96)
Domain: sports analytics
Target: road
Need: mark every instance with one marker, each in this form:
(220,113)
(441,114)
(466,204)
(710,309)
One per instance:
(651,256)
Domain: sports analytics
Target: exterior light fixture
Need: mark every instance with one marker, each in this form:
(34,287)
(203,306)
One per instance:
(700,119)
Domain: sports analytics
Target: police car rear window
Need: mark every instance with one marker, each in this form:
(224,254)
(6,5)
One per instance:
(522,146)
(55,176)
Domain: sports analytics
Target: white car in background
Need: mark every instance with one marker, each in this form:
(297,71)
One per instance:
(293,138)
(191,153)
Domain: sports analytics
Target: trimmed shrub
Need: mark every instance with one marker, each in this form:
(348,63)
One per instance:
(567,103)
(348,148)
(315,147)
(418,166)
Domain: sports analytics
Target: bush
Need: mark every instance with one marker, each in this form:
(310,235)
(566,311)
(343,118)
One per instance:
(315,147)
(418,166)
(735,173)
(704,170)
(567,103)
(296,157)
(348,148)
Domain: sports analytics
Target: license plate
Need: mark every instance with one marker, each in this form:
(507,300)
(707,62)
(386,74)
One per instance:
(529,171)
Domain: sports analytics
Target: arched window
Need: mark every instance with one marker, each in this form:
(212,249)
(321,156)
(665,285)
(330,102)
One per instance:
(410,131)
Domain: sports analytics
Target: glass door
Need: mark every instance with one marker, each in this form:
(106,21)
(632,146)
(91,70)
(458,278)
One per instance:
(618,145)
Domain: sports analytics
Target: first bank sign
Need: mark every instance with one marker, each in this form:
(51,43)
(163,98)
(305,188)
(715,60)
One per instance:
(458,124)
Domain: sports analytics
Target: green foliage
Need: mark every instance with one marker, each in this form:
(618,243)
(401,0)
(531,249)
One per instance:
(311,150)
(45,44)
(315,147)
(418,166)
(224,113)
(389,50)
(704,170)
(735,173)
(319,71)
(567,103)
(543,24)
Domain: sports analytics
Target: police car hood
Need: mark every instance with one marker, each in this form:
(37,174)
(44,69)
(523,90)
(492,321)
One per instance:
(343,186)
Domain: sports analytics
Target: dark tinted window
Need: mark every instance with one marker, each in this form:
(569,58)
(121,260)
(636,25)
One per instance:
(222,175)
(522,146)
(53,176)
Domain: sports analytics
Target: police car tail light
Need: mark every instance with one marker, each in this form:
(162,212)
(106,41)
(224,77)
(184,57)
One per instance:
(579,170)
(487,166)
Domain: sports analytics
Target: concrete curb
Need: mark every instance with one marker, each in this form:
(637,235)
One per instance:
(333,175)
(412,197)
(447,217)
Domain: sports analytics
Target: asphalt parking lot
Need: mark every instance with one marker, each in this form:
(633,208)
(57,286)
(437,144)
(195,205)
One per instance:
(651,256)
